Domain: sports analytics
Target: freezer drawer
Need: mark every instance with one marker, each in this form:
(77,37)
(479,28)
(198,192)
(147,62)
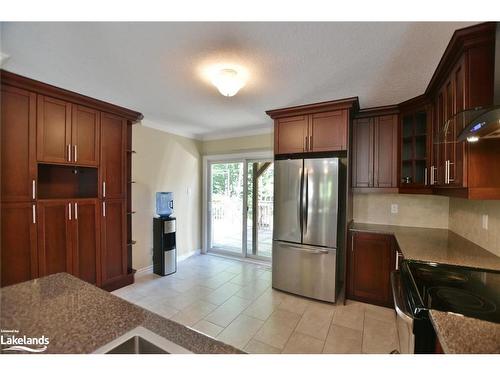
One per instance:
(304,270)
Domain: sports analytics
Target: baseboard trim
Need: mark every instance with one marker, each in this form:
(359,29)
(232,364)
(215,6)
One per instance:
(149,269)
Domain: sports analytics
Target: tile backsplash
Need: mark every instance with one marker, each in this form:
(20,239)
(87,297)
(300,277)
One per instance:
(466,219)
(413,210)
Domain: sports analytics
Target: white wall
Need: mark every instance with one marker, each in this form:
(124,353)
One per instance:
(165,162)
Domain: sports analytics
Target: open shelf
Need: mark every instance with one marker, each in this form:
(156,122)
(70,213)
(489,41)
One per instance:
(61,181)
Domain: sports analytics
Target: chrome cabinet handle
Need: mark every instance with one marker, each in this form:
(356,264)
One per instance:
(449,170)
(76,211)
(33,189)
(103,208)
(69,210)
(69,152)
(34,214)
(104,189)
(75,153)
(446,172)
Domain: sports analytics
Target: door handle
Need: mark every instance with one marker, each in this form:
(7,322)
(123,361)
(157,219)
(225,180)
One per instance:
(319,251)
(449,170)
(34,214)
(104,209)
(104,189)
(33,190)
(76,211)
(69,210)
(306,216)
(69,152)
(75,151)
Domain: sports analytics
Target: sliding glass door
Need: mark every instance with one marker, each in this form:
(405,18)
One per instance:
(240,207)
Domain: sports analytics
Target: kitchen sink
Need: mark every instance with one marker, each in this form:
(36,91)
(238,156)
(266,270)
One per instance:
(141,341)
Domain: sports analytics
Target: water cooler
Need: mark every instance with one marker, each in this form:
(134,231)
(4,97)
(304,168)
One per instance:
(164,250)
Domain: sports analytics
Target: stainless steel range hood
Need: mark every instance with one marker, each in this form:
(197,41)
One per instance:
(482,122)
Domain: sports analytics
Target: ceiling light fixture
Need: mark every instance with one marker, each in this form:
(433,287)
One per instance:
(228,78)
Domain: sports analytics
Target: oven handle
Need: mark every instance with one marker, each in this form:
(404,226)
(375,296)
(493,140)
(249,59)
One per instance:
(397,294)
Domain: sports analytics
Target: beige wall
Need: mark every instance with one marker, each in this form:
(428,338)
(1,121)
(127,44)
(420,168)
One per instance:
(239,144)
(165,162)
(414,210)
(466,220)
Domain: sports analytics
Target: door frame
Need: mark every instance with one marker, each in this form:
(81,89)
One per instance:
(227,158)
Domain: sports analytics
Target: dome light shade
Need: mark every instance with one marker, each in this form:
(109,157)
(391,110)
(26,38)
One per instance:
(228,81)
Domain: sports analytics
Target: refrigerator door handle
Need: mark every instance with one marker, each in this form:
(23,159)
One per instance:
(306,250)
(300,214)
(306,200)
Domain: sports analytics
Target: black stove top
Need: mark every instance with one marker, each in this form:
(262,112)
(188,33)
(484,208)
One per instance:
(470,292)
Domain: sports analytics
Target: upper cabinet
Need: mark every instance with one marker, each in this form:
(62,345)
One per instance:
(85,134)
(321,127)
(375,147)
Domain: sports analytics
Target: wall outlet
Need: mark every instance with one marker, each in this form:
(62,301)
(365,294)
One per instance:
(394,208)
(485,222)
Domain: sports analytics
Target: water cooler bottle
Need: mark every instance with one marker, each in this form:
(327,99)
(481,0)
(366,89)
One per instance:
(164,251)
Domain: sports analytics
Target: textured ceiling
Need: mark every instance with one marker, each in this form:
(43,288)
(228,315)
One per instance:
(155,67)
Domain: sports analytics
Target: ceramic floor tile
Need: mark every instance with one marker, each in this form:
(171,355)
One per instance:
(379,336)
(228,311)
(278,328)
(294,304)
(316,320)
(298,343)
(343,340)
(208,328)
(240,331)
(263,306)
(257,347)
(194,313)
(222,294)
(253,290)
(350,316)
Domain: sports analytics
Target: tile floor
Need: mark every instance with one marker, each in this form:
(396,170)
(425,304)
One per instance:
(233,302)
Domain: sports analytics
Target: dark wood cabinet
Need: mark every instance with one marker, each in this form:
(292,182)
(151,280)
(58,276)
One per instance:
(319,127)
(371,259)
(18,151)
(375,153)
(113,156)
(19,260)
(113,240)
(58,151)
(85,134)
(54,236)
(86,241)
(53,130)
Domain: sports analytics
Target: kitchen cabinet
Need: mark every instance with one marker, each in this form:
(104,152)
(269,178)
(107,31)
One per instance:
(53,130)
(375,153)
(19,260)
(113,240)
(54,236)
(371,259)
(18,150)
(113,156)
(319,127)
(85,134)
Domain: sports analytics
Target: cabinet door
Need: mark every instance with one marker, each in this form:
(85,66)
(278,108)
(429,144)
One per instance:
(86,240)
(113,240)
(328,131)
(19,248)
(362,173)
(371,260)
(18,138)
(457,168)
(54,236)
(85,133)
(386,152)
(113,156)
(53,130)
(291,135)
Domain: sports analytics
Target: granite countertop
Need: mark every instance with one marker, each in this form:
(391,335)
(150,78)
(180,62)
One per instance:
(79,318)
(463,335)
(435,245)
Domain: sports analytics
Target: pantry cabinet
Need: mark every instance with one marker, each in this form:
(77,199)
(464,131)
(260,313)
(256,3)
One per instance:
(371,259)
(375,148)
(313,128)
(66,158)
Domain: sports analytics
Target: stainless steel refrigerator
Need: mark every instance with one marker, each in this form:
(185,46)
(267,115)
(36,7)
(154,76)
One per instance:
(306,197)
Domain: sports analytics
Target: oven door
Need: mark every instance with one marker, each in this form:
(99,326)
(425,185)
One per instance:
(404,318)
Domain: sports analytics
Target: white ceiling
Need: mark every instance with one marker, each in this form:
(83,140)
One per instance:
(154,67)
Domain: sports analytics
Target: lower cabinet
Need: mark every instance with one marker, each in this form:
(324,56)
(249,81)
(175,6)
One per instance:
(68,238)
(19,246)
(113,242)
(371,259)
